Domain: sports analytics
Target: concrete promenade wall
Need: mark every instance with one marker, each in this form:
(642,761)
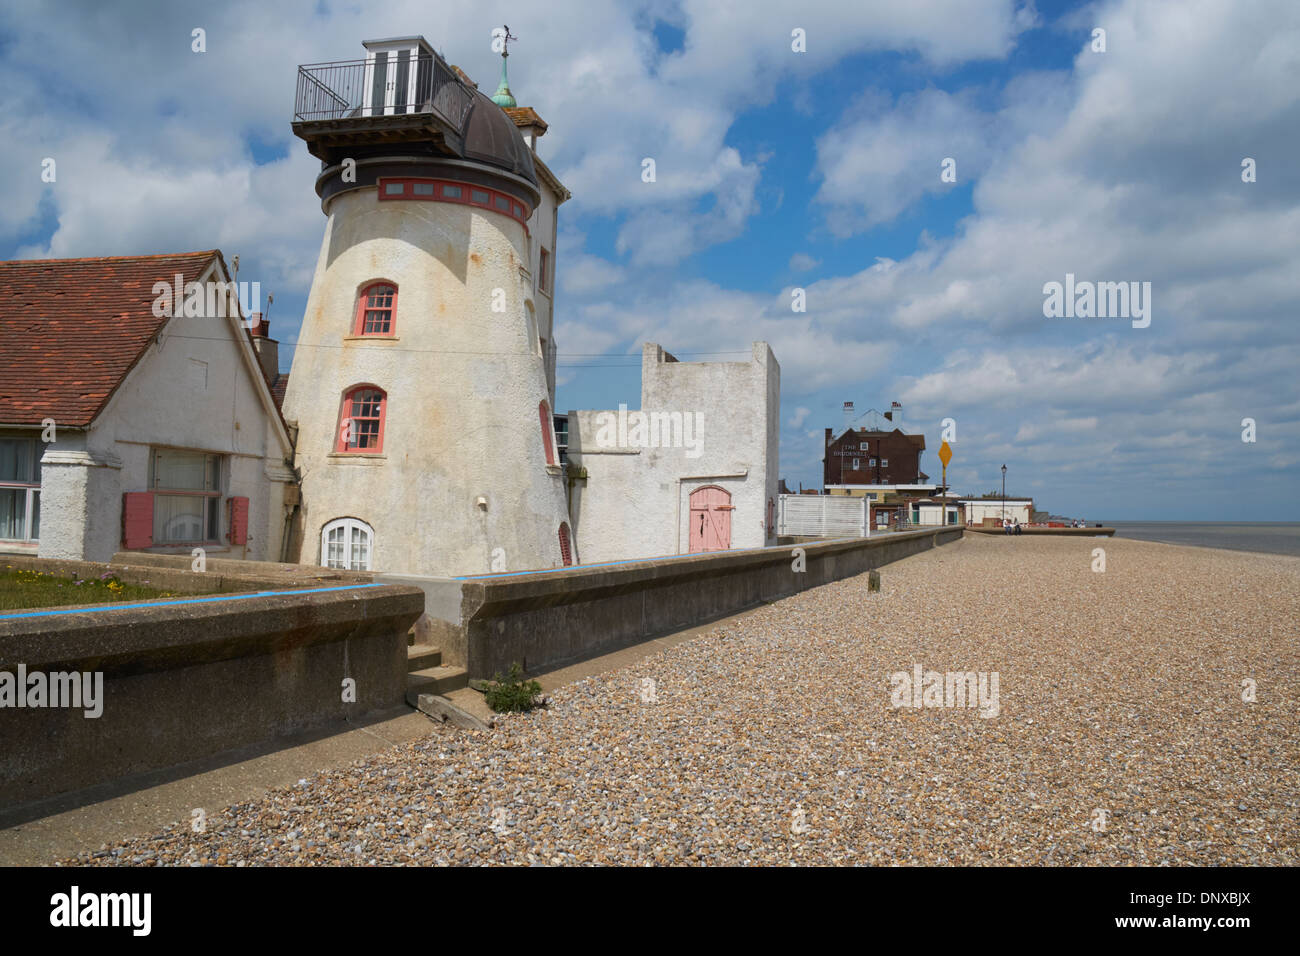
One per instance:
(172,572)
(191,677)
(547,619)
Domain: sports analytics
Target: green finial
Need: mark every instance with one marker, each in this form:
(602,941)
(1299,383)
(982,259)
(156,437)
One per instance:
(503,97)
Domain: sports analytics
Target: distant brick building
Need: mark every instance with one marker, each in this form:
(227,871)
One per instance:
(862,457)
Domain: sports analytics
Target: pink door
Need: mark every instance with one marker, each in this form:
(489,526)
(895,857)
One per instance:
(710,519)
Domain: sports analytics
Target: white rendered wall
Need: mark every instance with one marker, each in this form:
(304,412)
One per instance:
(193,389)
(542,232)
(463,385)
(622,509)
(635,502)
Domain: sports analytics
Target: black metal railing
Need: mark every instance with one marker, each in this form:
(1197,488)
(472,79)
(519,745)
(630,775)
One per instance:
(381,86)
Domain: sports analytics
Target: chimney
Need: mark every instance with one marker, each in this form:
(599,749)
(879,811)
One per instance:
(267,348)
(848,415)
(531,126)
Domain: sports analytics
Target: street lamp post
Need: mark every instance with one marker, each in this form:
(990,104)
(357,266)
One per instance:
(1004,495)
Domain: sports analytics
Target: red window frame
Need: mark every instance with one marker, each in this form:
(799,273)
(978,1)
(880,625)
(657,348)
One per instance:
(547,425)
(360,399)
(366,309)
(448,190)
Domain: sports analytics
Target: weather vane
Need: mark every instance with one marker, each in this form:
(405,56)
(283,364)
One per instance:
(505,40)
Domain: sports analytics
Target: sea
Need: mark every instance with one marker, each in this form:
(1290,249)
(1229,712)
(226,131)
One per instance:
(1272,537)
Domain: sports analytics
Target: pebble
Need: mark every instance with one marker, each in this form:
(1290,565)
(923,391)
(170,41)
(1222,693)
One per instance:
(773,739)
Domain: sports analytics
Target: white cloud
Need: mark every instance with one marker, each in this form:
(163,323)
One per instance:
(1125,167)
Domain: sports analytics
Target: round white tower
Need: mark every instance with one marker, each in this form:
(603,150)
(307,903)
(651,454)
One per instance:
(419,383)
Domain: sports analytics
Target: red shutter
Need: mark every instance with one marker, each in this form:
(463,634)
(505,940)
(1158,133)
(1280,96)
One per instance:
(239,520)
(545,414)
(566,552)
(137,520)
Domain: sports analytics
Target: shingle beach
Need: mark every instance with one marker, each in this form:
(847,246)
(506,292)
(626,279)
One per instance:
(773,738)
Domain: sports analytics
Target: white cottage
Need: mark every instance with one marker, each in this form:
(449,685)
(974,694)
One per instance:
(134,412)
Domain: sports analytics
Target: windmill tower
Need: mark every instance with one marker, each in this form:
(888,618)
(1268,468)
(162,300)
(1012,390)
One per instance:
(422,381)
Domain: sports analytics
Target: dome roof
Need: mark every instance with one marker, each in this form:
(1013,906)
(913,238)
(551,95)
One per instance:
(492,137)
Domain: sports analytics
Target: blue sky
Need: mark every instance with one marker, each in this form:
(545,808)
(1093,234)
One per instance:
(776,169)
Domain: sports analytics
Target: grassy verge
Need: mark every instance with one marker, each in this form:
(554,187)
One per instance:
(21,589)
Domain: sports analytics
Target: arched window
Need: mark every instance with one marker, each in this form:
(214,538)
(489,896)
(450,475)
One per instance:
(361,420)
(547,425)
(346,545)
(566,548)
(376,309)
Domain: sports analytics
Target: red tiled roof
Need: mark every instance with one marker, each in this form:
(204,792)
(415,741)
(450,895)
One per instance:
(71,330)
(525,116)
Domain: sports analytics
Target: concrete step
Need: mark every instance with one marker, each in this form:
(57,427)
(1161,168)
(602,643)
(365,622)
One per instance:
(421,656)
(477,716)
(434,680)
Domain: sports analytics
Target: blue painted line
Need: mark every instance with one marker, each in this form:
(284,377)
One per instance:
(207,600)
(608,564)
